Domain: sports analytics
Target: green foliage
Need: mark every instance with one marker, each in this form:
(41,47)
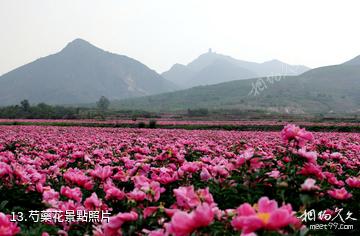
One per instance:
(25,105)
(141,125)
(198,112)
(39,111)
(103,104)
(152,124)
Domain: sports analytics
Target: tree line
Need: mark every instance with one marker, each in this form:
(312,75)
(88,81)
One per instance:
(25,110)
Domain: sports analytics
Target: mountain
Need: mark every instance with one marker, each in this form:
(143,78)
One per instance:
(211,68)
(330,89)
(220,71)
(354,61)
(80,73)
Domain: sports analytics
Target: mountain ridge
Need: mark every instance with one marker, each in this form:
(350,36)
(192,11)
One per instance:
(80,73)
(326,89)
(188,75)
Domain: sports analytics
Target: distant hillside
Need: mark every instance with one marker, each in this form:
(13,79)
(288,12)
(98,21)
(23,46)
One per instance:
(211,68)
(321,90)
(354,61)
(80,73)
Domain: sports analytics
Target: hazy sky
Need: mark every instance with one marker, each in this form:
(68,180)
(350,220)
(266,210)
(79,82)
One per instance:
(160,33)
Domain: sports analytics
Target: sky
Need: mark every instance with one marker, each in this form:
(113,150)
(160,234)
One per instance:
(160,33)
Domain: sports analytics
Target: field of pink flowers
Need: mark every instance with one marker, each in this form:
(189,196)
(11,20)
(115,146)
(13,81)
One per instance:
(177,182)
(177,122)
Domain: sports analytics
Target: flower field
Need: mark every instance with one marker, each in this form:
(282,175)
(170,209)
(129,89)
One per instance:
(177,182)
(179,122)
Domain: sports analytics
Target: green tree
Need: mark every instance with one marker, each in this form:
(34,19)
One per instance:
(25,105)
(103,103)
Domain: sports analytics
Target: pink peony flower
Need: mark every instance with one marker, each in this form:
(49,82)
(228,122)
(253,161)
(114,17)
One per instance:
(78,177)
(334,181)
(50,195)
(183,223)
(186,197)
(205,196)
(148,211)
(265,215)
(312,169)
(274,174)
(340,194)
(72,193)
(165,175)
(102,173)
(293,132)
(151,188)
(5,169)
(113,192)
(113,227)
(78,155)
(137,195)
(335,155)
(156,232)
(353,182)
(7,228)
(247,154)
(94,203)
(189,168)
(203,215)
(309,185)
(204,174)
(310,156)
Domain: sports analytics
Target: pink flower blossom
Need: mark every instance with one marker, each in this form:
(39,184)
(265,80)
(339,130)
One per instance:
(274,174)
(78,177)
(309,185)
(247,154)
(151,188)
(7,228)
(148,211)
(312,169)
(204,174)
(50,195)
(156,232)
(72,193)
(335,155)
(5,169)
(293,132)
(266,215)
(340,194)
(94,203)
(310,156)
(183,223)
(137,195)
(102,173)
(78,155)
(353,182)
(186,197)
(113,227)
(203,215)
(205,196)
(113,192)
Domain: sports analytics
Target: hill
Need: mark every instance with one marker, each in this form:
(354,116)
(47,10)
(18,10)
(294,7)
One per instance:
(211,68)
(330,89)
(80,73)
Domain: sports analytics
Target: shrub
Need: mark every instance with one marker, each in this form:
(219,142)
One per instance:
(152,124)
(141,125)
